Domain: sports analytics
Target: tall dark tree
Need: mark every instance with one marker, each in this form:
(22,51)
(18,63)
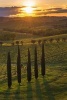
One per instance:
(43,61)
(19,66)
(29,67)
(35,63)
(9,76)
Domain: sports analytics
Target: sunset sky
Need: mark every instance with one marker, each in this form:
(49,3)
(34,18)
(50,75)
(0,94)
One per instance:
(47,3)
(38,7)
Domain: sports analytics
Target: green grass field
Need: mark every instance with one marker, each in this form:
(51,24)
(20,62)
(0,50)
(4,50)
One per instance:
(52,87)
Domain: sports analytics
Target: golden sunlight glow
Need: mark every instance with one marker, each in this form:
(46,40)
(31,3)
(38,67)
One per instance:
(29,3)
(28,10)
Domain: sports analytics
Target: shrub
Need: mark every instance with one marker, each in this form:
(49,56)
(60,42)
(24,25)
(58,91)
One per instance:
(33,41)
(17,42)
(39,42)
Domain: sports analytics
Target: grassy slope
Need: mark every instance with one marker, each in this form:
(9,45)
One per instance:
(52,87)
(55,52)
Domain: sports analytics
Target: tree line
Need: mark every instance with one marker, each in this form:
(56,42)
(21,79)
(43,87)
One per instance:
(29,73)
(39,41)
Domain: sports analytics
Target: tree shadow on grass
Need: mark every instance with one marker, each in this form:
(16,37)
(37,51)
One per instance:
(38,90)
(49,92)
(17,93)
(29,92)
(7,94)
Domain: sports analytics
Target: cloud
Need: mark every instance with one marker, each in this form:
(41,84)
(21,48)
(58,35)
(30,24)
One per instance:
(57,10)
(38,10)
(11,11)
(52,11)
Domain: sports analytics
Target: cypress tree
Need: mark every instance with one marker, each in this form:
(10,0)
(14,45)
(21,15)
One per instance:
(19,66)
(29,67)
(43,61)
(9,76)
(35,63)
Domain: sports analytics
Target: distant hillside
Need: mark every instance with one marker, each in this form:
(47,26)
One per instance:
(52,22)
(41,26)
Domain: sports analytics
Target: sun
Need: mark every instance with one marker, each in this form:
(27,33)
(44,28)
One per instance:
(28,10)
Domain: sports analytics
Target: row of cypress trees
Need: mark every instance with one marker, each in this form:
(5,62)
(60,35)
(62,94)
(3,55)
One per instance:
(29,74)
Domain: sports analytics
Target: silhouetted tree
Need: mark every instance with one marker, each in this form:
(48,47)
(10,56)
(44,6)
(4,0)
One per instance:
(35,63)
(19,66)
(58,39)
(39,42)
(29,67)
(9,76)
(22,42)
(43,61)
(33,41)
(17,42)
